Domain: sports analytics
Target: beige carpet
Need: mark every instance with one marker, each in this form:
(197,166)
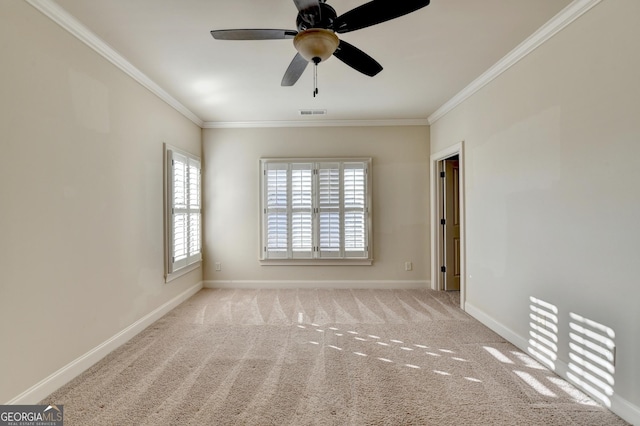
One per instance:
(322,357)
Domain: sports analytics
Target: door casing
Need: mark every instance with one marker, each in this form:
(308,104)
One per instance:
(437,239)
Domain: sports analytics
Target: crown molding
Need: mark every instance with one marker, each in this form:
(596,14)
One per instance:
(313,123)
(565,17)
(61,17)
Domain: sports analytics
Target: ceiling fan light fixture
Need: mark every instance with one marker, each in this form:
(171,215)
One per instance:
(316,43)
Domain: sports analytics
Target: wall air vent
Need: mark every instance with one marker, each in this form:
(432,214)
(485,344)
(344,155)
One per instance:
(310,112)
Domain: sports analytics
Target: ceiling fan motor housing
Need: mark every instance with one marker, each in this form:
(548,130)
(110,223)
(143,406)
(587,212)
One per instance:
(322,18)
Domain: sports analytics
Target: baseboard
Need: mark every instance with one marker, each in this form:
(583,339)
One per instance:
(494,325)
(619,405)
(41,390)
(320,284)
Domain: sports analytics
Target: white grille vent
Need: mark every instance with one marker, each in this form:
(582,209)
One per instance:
(309,112)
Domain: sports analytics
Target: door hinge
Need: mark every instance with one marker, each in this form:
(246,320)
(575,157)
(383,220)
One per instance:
(443,269)
(442,174)
(443,222)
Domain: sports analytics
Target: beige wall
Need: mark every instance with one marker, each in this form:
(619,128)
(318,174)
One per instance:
(552,171)
(400,202)
(81,217)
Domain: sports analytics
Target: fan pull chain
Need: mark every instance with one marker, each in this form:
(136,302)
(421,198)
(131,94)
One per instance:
(315,80)
(316,61)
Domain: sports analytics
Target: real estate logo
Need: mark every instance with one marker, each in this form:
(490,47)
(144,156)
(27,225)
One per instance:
(31,415)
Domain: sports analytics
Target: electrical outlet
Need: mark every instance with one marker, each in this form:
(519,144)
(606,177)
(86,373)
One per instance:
(218,266)
(408,266)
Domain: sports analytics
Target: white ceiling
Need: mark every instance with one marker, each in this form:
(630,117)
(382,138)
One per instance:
(428,56)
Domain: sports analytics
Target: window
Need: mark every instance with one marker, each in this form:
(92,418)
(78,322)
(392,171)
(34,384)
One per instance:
(316,209)
(183,216)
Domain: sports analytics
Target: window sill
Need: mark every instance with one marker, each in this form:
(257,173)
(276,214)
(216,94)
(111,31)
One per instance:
(316,262)
(182,271)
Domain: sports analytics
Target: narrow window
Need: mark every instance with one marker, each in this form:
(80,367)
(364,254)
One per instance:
(183,212)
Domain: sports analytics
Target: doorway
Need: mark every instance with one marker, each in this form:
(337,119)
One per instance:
(450,221)
(447,221)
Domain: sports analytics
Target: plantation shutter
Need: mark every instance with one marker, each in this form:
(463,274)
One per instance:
(329,211)
(185,240)
(195,215)
(355,209)
(288,193)
(302,210)
(276,185)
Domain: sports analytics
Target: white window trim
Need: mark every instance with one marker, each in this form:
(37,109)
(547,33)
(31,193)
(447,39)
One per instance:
(318,261)
(172,271)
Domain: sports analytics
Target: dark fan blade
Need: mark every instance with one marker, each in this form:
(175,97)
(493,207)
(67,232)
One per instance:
(357,59)
(295,70)
(253,34)
(309,10)
(375,12)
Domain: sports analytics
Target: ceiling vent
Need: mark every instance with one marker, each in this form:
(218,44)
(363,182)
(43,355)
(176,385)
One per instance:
(310,112)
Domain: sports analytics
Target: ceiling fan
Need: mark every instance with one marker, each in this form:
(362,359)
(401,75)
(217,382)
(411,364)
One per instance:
(316,39)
